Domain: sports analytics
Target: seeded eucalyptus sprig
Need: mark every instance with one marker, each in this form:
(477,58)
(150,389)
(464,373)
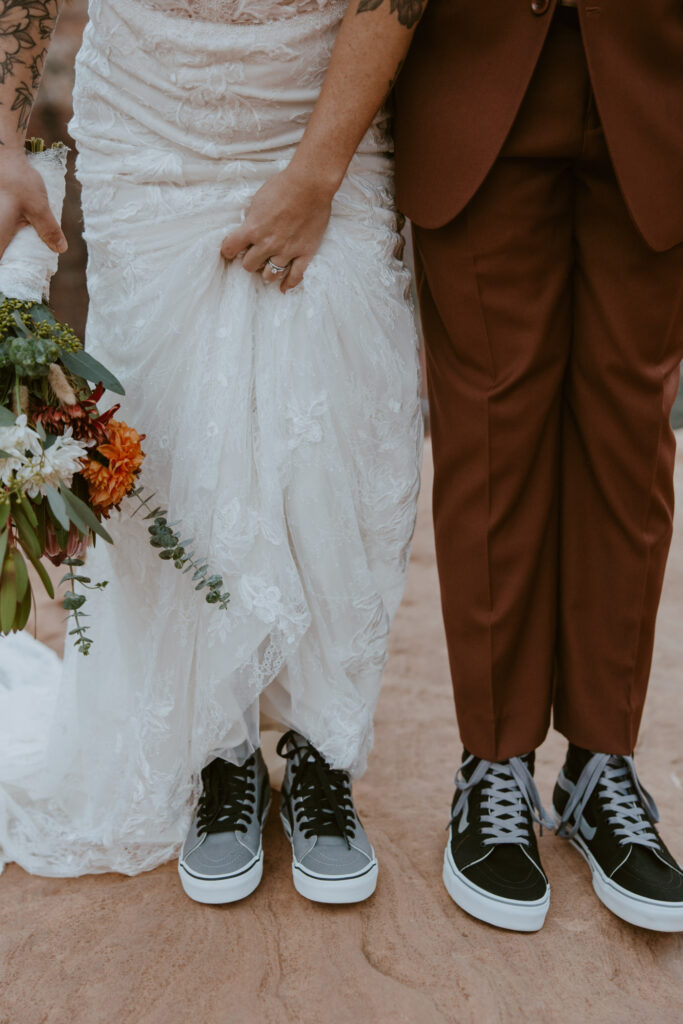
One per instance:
(73,602)
(173,549)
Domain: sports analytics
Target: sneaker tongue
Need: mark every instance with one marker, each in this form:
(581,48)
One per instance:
(467,769)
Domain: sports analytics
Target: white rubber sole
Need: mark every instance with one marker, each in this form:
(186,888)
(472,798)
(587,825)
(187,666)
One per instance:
(323,889)
(656,915)
(228,889)
(515,915)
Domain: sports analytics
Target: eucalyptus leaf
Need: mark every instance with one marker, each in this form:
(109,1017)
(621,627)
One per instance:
(84,365)
(58,506)
(79,523)
(27,536)
(79,509)
(8,595)
(21,575)
(40,569)
(23,611)
(21,325)
(28,510)
(7,417)
(41,314)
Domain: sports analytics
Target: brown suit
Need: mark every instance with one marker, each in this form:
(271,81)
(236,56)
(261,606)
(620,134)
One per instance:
(467,74)
(541,164)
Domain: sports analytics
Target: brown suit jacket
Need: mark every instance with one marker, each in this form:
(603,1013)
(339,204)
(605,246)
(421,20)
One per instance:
(468,70)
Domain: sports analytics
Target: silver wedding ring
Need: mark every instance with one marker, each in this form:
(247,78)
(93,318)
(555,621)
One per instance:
(274,267)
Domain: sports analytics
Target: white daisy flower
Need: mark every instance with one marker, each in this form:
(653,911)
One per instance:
(32,468)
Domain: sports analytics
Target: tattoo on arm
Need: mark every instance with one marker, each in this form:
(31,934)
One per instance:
(24,26)
(408,12)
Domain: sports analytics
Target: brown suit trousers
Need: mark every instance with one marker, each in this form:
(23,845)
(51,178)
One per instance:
(554,335)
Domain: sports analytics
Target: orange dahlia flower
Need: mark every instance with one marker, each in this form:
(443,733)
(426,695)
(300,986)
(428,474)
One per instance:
(109,484)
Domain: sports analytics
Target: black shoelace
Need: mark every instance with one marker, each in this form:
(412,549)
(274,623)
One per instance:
(319,796)
(227,802)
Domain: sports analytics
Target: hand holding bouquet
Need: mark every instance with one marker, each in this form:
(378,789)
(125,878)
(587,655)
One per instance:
(63,464)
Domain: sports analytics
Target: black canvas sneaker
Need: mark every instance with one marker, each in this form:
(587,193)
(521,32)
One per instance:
(222,857)
(602,808)
(492,867)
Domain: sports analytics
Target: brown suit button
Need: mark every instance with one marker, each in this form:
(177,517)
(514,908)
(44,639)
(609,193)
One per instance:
(539,6)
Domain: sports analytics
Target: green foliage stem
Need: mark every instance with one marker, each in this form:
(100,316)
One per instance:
(73,602)
(173,549)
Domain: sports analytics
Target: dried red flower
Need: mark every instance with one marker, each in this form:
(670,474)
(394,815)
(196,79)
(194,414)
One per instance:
(84,418)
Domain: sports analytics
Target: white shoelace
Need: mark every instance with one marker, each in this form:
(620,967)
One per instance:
(631,809)
(508,796)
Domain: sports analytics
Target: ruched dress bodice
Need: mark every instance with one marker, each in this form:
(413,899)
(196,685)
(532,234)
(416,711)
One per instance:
(253,12)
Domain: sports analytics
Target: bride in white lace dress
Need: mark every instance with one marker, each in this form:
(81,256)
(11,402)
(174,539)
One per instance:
(284,430)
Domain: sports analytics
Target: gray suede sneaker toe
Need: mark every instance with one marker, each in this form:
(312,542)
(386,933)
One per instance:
(222,857)
(333,861)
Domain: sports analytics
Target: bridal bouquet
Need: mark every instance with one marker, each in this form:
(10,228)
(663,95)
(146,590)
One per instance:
(64,464)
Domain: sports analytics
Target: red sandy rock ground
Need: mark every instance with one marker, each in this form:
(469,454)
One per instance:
(113,950)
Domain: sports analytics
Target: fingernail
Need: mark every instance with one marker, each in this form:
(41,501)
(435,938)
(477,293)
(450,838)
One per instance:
(62,245)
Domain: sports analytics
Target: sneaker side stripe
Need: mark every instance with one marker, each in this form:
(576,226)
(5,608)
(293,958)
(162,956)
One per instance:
(334,878)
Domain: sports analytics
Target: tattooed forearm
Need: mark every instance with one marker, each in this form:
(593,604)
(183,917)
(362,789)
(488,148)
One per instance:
(23,104)
(408,12)
(26,27)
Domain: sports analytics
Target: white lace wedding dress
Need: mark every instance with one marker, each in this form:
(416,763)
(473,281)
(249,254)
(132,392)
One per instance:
(284,431)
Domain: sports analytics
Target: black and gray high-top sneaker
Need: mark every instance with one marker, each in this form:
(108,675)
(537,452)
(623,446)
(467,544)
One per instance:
(492,868)
(222,857)
(602,808)
(333,861)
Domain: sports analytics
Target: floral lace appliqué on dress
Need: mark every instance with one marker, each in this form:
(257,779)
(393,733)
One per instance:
(283,431)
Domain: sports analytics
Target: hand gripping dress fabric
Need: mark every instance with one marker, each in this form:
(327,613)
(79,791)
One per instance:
(283,431)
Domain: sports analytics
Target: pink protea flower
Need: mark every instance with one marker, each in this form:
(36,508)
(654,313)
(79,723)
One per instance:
(76,545)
